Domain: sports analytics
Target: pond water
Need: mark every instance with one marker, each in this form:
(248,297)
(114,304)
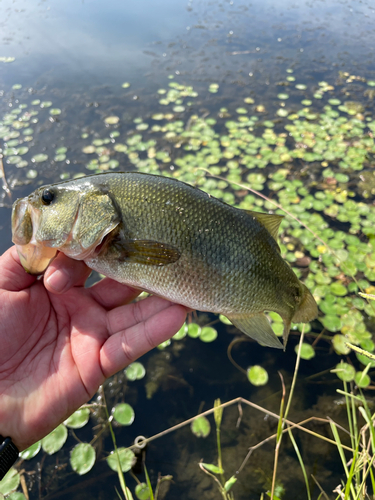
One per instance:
(274,94)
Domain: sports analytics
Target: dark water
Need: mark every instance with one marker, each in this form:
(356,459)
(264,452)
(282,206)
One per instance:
(77,54)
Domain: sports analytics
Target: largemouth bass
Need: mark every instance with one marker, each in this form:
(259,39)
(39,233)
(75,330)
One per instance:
(168,238)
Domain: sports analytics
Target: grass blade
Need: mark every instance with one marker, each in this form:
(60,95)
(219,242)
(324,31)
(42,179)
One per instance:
(296,449)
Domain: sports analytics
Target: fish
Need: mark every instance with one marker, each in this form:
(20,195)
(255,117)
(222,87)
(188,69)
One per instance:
(168,238)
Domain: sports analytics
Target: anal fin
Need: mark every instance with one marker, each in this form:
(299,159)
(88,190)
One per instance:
(257,327)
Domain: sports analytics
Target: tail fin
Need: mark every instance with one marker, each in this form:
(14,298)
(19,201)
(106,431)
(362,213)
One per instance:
(308,310)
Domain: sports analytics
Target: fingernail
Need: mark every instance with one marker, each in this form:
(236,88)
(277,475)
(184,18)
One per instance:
(58,281)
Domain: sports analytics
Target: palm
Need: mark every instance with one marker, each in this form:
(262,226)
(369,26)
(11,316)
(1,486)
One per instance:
(55,350)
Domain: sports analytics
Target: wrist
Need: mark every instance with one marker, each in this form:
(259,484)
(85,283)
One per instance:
(8,455)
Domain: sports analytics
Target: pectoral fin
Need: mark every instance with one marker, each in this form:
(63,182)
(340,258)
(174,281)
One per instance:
(150,253)
(257,327)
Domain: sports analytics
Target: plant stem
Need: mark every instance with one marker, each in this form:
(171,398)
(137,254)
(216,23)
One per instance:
(119,470)
(282,417)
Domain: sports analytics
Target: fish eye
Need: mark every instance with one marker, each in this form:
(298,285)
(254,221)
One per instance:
(47,197)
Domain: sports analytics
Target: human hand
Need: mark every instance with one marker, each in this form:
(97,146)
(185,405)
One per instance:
(57,348)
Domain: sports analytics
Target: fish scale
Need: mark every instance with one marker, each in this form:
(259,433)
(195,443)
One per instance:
(174,240)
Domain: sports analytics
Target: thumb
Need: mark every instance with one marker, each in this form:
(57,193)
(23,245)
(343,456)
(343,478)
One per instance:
(13,277)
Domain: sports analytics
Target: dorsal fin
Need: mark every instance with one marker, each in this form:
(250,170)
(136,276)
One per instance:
(270,221)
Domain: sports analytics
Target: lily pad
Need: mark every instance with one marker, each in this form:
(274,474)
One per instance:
(112,120)
(78,419)
(345,372)
(193,330)
(31,174)
(338,288)
(31,451)
(127,459)
(39,158)
(135,371)
(181,333)
(201,426)
(82,458)
(10,482)
(307,351)
(257,375)
(142,491)
(208,334)
(16,495)
(55,440)
(362,379)
(124,414)
(339,344)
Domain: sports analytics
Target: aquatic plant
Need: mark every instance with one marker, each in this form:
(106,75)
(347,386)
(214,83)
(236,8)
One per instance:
(308,154)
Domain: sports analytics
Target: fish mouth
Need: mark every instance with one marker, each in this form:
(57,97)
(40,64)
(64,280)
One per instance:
(34,257)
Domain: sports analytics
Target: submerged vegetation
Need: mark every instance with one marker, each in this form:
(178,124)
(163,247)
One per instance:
(309,154)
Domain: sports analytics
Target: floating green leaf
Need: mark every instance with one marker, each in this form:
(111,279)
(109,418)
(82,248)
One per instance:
(112,120)
(307,351)
(124,414)
(135,371)
(362,379)
(181,333)
(32,174)
(193,330)
(338,288)
(208,334)
(201,426)
(82,458)
(225,320)
(142,491)
(127,459)
(31,451)
(55,440)
(257,375)
(345,372)
(39,158)
(16,495)
(339,344)
(78,419)
(10,482)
